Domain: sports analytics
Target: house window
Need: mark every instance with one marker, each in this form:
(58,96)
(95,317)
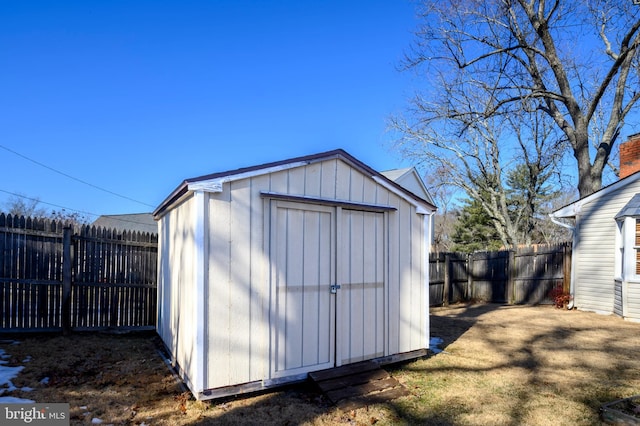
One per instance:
(628,248)
(619,248)
(636,247)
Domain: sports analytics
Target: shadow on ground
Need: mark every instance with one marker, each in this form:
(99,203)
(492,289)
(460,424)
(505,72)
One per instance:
(451,322)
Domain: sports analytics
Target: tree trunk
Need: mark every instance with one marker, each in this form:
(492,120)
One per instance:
(589,176)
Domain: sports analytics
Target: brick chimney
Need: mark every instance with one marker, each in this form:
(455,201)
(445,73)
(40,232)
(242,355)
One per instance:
(629,156)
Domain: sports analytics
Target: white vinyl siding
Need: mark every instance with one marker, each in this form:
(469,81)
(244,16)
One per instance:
(633,300)
(595,250)
(617,298)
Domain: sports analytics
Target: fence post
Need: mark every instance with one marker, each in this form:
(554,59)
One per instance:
(447,280)
(511,277)
(469,290)
(66,280)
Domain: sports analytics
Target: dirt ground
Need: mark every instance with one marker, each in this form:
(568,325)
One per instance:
(505,365)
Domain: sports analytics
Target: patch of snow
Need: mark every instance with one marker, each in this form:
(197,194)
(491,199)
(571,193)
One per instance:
(27,359)
(7,374)
(14,400)
(433,344)
(44,381)
(26,389)
(96,421)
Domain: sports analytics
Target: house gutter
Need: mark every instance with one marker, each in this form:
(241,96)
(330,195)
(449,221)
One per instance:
(564,225)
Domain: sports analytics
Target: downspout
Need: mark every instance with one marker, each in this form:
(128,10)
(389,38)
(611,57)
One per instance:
(572,279)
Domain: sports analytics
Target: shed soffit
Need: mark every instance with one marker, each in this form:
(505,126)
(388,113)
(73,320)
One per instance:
(213,182)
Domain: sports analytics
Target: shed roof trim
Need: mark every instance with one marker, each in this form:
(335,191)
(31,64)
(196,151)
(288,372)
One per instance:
(209,182)
(215,184)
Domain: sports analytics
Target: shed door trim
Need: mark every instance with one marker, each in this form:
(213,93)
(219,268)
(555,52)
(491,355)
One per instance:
(351,205)
(312,247)
(302,309)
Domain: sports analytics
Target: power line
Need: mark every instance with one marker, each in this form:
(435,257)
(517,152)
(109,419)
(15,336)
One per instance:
(73,178)
(69,208)
(49,204)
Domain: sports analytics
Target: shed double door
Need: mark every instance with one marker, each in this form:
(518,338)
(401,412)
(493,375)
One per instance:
(327,304)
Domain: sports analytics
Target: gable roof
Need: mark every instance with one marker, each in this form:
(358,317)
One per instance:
(571,210)
(410,179)
(140,222)
(214,181)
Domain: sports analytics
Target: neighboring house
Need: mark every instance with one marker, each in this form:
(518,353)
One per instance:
(606,241)
(140,222)
(270,272)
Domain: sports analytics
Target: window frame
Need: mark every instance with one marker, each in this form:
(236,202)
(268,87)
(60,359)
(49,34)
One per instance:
(627,266)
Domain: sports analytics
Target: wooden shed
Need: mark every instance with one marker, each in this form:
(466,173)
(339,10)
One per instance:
(270,272)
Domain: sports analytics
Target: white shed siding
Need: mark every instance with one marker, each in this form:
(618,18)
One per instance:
(413,333)
(419,337)
(378,253)
(328,179)
(176,285)
(395,276)
(407,279)
(363,282)
(237,284)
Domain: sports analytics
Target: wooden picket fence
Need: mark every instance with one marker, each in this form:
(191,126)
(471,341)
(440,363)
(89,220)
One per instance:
(56,277)
(522,276)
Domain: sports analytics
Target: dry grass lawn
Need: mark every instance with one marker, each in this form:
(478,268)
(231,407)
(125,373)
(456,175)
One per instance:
(502,365)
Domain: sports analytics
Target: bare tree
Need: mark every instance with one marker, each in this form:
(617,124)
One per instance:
(19,205)
(576,61)
(481,156)
(24,206)
(444,221)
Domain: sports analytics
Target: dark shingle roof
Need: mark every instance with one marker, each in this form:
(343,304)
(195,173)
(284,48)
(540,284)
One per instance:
(631,209)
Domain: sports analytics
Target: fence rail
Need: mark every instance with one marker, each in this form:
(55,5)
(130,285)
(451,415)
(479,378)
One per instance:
(56,277)
(522,276)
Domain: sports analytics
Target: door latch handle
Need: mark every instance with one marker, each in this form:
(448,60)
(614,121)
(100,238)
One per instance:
(335,288)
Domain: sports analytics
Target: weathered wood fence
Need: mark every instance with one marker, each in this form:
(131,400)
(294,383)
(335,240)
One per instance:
(522,276)
(55,277)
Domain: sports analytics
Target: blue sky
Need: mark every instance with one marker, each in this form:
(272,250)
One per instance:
(135,96)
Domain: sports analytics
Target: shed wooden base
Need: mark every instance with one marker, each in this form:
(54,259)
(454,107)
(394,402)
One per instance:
(263,385)
(356,385)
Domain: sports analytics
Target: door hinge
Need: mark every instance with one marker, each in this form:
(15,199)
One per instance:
(335,288)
